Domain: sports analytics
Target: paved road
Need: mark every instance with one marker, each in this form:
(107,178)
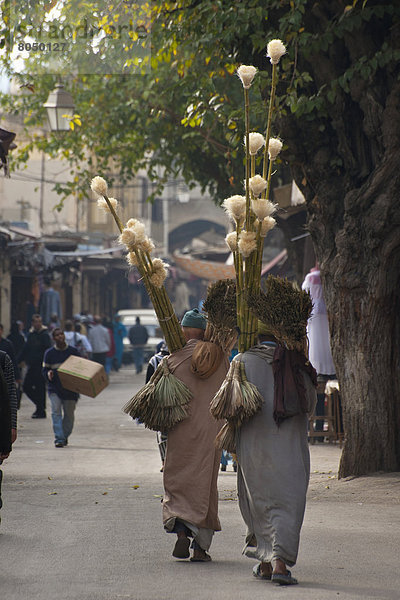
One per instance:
(84,522)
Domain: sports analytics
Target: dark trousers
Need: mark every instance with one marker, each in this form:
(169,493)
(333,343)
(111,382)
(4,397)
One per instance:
(320,406)
(100,357)
(320,411)
(35,388)
(179,526)
(138,358)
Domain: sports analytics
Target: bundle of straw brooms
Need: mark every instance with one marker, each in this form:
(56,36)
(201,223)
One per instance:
(252,217)
(163,401)
(286,309)
(252,213)
(237,400)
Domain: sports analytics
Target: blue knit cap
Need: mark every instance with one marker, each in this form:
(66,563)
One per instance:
(193,318)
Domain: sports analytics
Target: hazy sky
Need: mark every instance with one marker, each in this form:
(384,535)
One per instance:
(4,83)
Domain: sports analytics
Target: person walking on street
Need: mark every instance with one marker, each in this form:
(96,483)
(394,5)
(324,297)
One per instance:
(273,456)
(7,346)
(120,332)
(155,360)
(80,320)
(319,342)
(8,410)
(49,303)
(226,457)
(151,368)
(76,339)
(18,340)
(53,323)
(190,504)
(37,342)
(99,339)
(138,337)
(85,350)
(62,401)
(111,352)
(16,337)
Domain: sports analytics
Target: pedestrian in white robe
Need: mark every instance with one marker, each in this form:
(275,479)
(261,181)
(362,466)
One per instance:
(318,328)
(319,347)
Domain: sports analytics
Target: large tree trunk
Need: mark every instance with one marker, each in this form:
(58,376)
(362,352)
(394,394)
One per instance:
(348,167)
(362,289)
(356,235)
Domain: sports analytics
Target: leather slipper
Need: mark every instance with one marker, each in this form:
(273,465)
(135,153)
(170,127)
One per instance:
(257,573)
(205,558)
(284,579)
(181,549)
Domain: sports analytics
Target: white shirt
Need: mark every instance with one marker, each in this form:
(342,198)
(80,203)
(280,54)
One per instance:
(73,337)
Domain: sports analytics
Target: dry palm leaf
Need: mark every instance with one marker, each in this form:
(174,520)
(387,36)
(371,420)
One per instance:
(237,400)
(220,308)
(162,402)
(226,438)
(284,308)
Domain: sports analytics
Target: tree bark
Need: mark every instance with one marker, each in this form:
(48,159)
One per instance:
(356,235)
(362,290)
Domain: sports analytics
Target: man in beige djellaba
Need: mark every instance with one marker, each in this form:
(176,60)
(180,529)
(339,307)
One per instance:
(190,504)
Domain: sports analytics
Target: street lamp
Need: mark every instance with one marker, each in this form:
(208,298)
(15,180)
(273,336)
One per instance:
(60,108)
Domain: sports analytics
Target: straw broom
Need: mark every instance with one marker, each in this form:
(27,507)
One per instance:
(238,400)
(285,308)
(160,390)
(220,310)
(153,271)
(163,401)
(252,213)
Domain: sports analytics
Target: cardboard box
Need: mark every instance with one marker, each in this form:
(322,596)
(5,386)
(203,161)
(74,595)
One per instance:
(82,376)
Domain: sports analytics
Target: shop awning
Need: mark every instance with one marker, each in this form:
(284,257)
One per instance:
(279,258)
(204,269)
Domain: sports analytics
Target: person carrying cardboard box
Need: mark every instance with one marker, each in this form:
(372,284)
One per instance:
(63,401)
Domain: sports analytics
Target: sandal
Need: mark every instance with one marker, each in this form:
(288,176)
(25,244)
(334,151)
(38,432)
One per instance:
(257,573)
(202,558)
(284,578)
(181,549)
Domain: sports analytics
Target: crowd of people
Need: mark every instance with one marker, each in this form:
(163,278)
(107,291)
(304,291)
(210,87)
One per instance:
(36,352)
(30,358)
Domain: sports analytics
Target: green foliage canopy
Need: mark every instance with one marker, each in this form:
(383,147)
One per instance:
(178,111)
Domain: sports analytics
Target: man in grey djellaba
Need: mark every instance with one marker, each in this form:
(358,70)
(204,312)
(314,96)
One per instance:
(273,456)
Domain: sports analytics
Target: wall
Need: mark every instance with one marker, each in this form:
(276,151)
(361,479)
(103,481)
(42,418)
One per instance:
(5,292)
